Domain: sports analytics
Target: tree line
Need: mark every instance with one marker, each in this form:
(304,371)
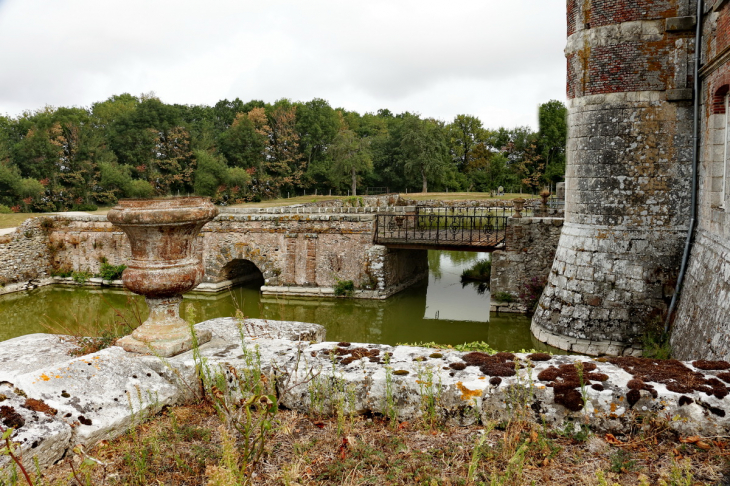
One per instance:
(57,159)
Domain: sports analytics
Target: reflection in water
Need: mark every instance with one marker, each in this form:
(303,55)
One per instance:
(439,309)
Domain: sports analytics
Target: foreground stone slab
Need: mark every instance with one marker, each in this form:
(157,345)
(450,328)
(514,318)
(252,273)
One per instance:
(31,352)
(99,396)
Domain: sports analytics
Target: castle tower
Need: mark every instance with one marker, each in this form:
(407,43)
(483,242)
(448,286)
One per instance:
(628,173)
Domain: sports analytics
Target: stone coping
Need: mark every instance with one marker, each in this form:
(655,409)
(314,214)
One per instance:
(318,210)
(99,396)
(584,346)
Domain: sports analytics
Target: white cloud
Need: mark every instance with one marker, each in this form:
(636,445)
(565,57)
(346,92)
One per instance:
(490,58)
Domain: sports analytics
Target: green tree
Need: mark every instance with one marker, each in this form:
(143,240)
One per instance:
(465,133)
(424,149)
(552,138)
(351,155)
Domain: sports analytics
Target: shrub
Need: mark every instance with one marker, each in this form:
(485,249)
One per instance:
(344,288)
(62,272)
(503,297)
(108,271)
(481,270)
(84,207)
(81,276)
(4,209)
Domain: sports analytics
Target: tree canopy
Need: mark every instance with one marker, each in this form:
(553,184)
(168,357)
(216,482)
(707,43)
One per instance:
(137,146)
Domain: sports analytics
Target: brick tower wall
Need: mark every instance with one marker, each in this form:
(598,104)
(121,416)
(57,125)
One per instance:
(628,170)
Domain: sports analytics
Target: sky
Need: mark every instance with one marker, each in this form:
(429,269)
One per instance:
(497,60)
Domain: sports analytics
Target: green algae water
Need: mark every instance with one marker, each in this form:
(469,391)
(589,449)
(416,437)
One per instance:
(439,309)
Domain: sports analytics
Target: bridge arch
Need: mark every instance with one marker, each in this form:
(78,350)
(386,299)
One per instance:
(238,263)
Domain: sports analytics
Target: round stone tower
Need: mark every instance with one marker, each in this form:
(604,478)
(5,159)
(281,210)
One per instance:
(628,173)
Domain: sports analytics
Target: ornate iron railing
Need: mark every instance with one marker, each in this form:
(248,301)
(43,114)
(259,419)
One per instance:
(444,227)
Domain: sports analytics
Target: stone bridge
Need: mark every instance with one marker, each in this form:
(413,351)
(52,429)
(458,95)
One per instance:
(291,251)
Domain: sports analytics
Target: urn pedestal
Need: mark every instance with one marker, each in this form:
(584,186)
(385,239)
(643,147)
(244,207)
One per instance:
(164,266)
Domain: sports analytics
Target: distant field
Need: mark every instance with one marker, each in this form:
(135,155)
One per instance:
(416,196)
(461,196)
(15,219)
(272,203)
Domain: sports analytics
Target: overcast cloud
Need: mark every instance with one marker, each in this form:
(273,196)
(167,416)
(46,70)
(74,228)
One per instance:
(494,59)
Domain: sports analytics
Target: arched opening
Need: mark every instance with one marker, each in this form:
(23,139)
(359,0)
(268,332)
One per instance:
(240,271)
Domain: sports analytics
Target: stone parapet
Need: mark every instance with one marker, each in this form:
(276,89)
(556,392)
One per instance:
(101,395)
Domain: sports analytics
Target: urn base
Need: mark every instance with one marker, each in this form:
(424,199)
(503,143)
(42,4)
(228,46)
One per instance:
(164,333)
(163,348)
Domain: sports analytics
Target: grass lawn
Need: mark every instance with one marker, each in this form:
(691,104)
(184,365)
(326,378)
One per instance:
(416,196)
(189,445)
(16,219)
(461,196)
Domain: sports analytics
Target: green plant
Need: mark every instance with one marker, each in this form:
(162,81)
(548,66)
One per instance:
(9,449)
(81,276)
(5,210)
(655,342)
(621,462)
(679,475)
(110,272)
(503,297)
(389,406)
(64,272)
(84,207)
(480,271)
(430,393)
(344,288)
(47,224)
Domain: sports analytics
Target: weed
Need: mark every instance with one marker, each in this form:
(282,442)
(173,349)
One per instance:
(430,393)
(679,475)
(480,271)
(64,272)
(389,406)
(108,271)
(503,297)
(344,288)
(621,462)
(655,342)
(81,276)
(9,449)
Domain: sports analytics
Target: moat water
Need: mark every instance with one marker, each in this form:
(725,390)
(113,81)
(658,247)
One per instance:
(440,309)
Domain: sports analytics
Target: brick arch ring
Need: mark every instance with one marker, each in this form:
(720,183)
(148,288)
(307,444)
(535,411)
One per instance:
(235,251)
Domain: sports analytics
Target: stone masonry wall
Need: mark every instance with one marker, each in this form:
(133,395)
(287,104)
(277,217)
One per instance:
(299,251)
(24,255)
(702,324)
(530,250)
(628,171)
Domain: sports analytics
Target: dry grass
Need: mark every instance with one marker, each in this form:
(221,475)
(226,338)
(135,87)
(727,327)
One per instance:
(461,196)
(183,446)
(16,219)
(274,203)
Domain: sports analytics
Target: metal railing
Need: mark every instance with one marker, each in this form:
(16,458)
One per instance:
(478,228)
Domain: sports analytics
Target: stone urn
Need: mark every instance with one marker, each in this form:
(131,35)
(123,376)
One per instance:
(519,206)
(164,266)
